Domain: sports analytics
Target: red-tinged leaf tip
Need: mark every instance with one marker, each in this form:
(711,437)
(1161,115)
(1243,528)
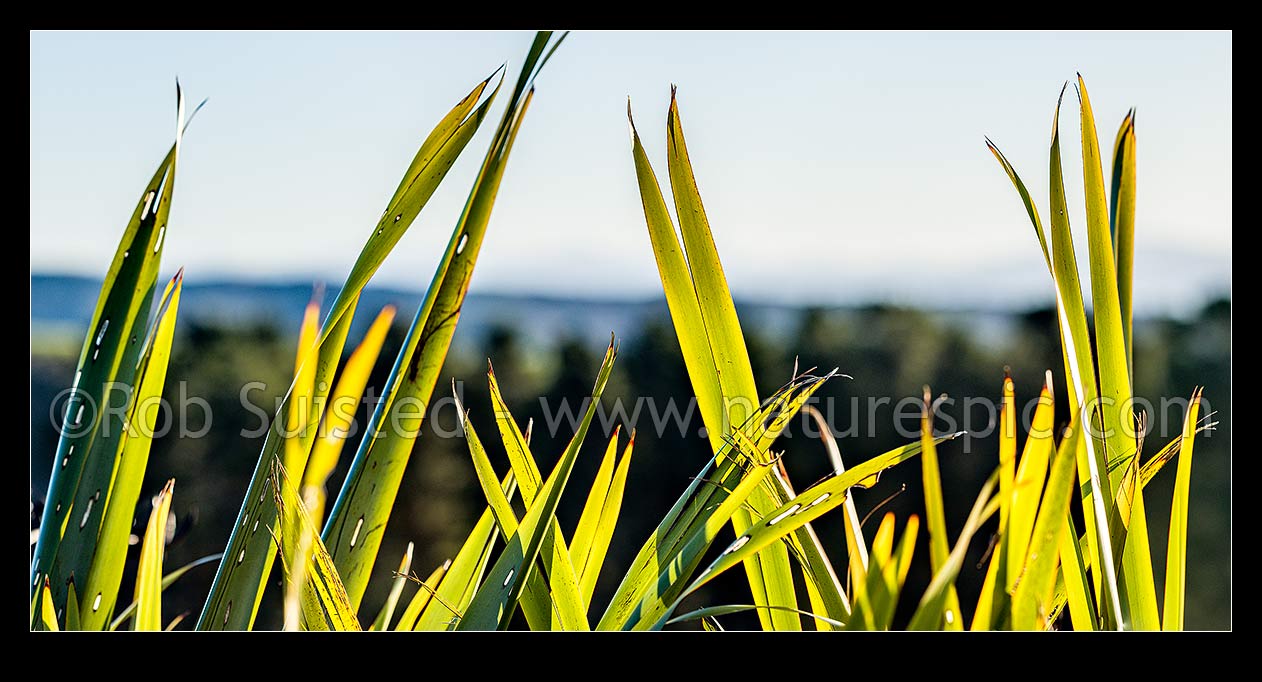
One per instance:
(179,275)
(617,430)
(490,369)
(632,441)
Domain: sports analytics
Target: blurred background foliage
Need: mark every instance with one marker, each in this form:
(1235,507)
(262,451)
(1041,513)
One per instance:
(891,353)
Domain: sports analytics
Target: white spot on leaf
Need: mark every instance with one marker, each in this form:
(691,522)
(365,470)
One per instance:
(355,535)
(87,511)
(740,542)
(784,515)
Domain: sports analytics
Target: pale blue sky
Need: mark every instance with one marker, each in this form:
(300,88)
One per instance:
(835,167)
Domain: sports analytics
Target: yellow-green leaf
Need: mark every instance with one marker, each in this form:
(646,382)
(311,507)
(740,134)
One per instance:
(1176,548)
(149,570)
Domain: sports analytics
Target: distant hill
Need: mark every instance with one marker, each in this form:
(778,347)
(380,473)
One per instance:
(61,308)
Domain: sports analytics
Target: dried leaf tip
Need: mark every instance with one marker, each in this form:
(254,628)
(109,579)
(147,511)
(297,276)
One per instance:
(502,67)
(179,112)
(459,405)
(630,122)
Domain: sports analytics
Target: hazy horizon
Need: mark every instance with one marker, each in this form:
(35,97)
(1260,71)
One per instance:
(880,189)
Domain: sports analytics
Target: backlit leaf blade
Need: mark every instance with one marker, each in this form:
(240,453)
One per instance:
(323,601)
(167,580)
(934,602)
(101,584)
(807,506)
(1030,479)
(47,612)
(641,586)
(464,575)
(1122,222)
(557,593)
(1081,371)
(711,611)
(1114,372)
(88,444)
(340,413)
(424,594)
(935,515)
(251,552)
(376,472)
(1031,602)
(1176,548)
(493,605)
(386,614)
(1073,585)
(769,573)
(72,608)
(714,299)
(149,570)
(428,169)
(536,599)
(605,519)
